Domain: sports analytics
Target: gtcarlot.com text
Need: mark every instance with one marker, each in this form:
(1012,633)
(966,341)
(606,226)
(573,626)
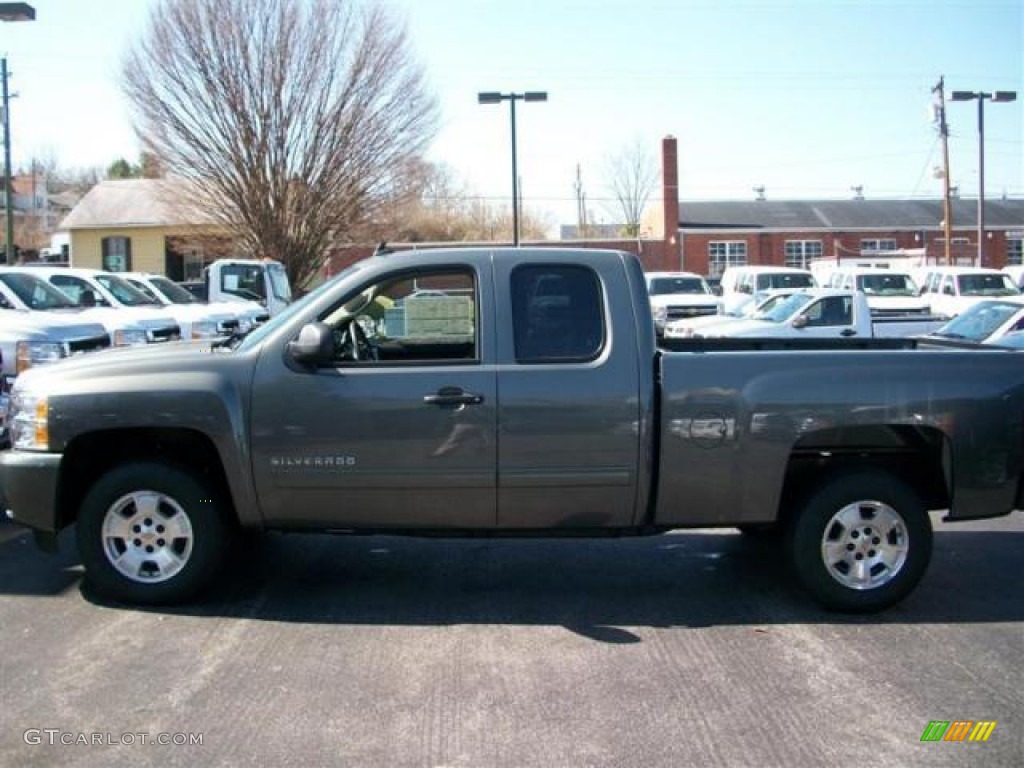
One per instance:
(57,737)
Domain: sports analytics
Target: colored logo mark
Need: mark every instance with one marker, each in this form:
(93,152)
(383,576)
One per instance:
(958,730)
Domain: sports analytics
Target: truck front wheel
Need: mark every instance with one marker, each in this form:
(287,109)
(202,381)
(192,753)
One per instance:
(151,534)
(861,542)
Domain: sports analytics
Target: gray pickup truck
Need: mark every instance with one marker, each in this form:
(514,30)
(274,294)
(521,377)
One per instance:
(508,392)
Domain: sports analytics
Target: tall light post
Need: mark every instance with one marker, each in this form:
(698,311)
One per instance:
(494,97)
(10,12)
(996,96)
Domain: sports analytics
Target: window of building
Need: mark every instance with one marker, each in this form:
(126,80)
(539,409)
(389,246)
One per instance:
(193,264)
(878,245)
(726,253)
(117,254)
(557,313)
(1015,250)
(800,252)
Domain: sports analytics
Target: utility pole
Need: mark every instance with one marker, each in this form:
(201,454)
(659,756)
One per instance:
(8,203)
(947,213)
(581,206)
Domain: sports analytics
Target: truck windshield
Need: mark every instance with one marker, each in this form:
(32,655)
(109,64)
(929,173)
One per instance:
(172,291)
(661,286)
(771,280)
(786,308)
(124,292)
(986,284)
(886,285)
(34,292)
(279,283)
(978,322)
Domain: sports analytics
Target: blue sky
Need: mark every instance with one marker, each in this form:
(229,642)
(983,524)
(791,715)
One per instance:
(807,98)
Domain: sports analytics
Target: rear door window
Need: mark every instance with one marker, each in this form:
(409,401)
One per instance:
(557,313)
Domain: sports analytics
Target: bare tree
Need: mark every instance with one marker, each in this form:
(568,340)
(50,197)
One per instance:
(631,175)
(432,205)
(289,120)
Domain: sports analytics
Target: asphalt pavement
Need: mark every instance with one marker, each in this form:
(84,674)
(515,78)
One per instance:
(689,649)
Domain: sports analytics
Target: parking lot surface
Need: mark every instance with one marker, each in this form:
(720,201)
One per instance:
(688,649)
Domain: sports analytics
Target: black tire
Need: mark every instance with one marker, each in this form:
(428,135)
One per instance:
(861,542)
(151,534)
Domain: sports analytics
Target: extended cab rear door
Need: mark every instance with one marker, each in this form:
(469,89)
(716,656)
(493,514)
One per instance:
(569,400)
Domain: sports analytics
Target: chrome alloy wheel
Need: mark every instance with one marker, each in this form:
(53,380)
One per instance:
(147,536)
(865,545)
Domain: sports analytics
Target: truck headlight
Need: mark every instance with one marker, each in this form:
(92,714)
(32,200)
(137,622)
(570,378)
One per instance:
(29,422)
(130,337)
(206,329)
(30,353)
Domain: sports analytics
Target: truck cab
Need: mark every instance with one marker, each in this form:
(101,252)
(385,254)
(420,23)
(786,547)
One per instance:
(263,281)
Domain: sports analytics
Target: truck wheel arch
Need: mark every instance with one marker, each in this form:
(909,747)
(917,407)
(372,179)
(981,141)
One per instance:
(861,541)
(90,456)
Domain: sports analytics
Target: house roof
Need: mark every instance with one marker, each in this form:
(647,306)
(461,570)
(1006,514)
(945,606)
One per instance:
(138,203)
(845,214)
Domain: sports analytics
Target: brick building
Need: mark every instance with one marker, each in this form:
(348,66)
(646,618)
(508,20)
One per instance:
(714,235)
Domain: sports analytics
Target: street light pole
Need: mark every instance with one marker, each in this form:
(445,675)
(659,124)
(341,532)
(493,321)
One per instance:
(494,97)
(995,96)
(10,12)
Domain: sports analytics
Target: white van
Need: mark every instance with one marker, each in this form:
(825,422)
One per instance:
(738,283)
(888,291)
(951,290)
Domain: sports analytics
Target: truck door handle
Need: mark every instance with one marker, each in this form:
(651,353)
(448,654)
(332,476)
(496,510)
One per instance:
(848,332)
(453,396)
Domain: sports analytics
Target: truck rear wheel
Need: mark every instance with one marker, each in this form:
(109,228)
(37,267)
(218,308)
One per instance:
(861,542)
(151,534)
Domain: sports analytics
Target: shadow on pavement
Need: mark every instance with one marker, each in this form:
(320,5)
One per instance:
(593,587)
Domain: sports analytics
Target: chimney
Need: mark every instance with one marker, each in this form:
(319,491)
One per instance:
(670,202)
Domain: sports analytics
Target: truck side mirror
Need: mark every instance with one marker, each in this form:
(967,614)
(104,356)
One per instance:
(800,321)
(313,346)
(87,298)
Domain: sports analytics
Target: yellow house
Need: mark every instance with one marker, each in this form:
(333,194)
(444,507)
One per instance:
(145,225)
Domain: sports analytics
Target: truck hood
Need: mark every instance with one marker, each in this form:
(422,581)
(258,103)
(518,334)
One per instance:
(48,326)
(685,300)
(114,369)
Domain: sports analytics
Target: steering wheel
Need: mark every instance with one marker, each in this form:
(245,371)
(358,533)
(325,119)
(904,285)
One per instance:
(359,346)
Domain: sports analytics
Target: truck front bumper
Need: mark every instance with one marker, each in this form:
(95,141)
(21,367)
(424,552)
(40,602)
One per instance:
(29,482)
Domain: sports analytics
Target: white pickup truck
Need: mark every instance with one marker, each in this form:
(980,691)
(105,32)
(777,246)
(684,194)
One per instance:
(26,291)
(760,303)
(679,295)
(823,313)
(986,322)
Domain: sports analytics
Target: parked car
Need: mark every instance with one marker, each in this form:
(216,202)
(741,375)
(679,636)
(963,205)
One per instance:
(986,321)
(951,290)
(263,281)
(27,291)
(888,291)
(225,317)
(754,306)
(679,295)
(747,280)
(822,313)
